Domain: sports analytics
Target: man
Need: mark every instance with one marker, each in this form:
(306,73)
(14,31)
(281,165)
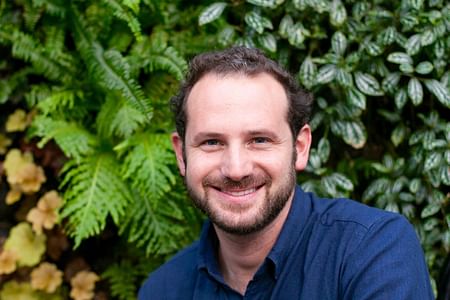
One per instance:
(242,134)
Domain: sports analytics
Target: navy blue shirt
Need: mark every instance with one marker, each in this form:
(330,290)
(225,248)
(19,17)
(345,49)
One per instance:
(327,249)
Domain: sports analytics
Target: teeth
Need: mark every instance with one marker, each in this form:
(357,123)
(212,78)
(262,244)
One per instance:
(241,193)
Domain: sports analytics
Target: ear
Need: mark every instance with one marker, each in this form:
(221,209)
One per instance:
(302,145)
(177,144)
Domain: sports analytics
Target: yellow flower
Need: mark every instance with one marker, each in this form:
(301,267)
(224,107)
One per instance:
(26,245)
(45,215)
(4,143)
(46,277)
(13,196)
(13,290)
(28,178)
(17,121)
(83,284)
(7,262)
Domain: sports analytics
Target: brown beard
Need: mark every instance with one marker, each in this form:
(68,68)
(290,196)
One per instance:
(275,201)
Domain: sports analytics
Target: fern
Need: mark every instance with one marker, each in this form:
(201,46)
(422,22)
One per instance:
(147,164)
(94,191)
(117,117)
(109,68)
(124,14)
(74,140)
(123,280)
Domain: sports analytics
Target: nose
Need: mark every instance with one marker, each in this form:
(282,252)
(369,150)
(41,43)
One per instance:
(236,162)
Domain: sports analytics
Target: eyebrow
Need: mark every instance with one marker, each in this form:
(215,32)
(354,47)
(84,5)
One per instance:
(201,136)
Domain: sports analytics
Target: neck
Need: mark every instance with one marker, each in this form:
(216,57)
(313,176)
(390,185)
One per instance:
(240,256)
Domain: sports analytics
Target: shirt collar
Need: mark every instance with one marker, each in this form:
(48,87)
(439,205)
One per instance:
(289,235)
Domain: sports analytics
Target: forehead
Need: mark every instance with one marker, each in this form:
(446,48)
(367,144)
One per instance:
(244,100)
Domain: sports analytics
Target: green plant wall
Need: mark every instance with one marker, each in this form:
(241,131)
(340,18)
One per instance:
(98,75)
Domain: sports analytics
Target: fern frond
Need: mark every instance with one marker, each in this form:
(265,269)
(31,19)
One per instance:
(31,14)
(117,117)
(147,164)
(122,280)
(154,224)
(154,218)
(74,140)
(167,60)
(53,7)
(121,11)
(109,68)
(27,48)
(57,100)
(37,93)
(94,190)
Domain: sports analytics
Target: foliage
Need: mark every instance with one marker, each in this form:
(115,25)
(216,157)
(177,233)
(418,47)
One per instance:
(380,73)
(96,76)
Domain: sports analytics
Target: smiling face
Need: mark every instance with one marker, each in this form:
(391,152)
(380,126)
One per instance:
(240,157)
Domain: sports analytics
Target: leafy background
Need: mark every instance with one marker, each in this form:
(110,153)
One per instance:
(93,79)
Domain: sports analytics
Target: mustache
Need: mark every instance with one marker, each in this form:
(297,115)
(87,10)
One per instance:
(228,183)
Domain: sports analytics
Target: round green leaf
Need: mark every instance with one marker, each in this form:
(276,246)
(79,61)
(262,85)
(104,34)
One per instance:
(424,67)
(356,98)
(338,14)
(432,161)
(398,134)
(342,181)
(268,42)
(323,149)
(427,37)
(339,43)
(286,24)
(439,90)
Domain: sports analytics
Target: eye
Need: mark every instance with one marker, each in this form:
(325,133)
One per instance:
(260,140)
(211,143)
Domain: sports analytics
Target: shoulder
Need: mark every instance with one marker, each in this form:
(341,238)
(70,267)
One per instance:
(178,271)
(345,210)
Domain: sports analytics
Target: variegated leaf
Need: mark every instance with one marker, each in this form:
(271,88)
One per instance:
(286,24)
(368,84)
(211,13)
(339,43)
(413,44)
(439,90)
(415,91)
(399,58)
(401,97)
(268,42)
(432,161)
(424,67)
(326,74)
(389,83)
(338,14)
(356,98)
(307,73)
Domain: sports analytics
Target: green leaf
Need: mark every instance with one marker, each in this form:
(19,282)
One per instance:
(378,186)
(257,22)
(266,3)
(326,74)
(388,36)
(424,67)
(427,37)
(356,98)
(373,49)
(367,84)
(399,58)
(268,42)
(407,68)
(447,156)
(323,149)
(413,44)
(439,90)
(352,132)
(445,174)
(286,24)
(314,159)
(415,91)
(390,82)
(307,72)
(339,43)
(94,191)
(338,14)
(74,140)
(430,210)
(297,35)
(398,134)
(414,185)
(329,185)
(211,13)
(344,78)
(342,181)
(432,161)
(401,97)
(226,35)
(416,4)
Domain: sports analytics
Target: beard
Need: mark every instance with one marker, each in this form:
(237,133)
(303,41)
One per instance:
(275,199)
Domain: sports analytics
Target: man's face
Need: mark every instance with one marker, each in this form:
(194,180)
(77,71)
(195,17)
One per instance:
(240,157)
